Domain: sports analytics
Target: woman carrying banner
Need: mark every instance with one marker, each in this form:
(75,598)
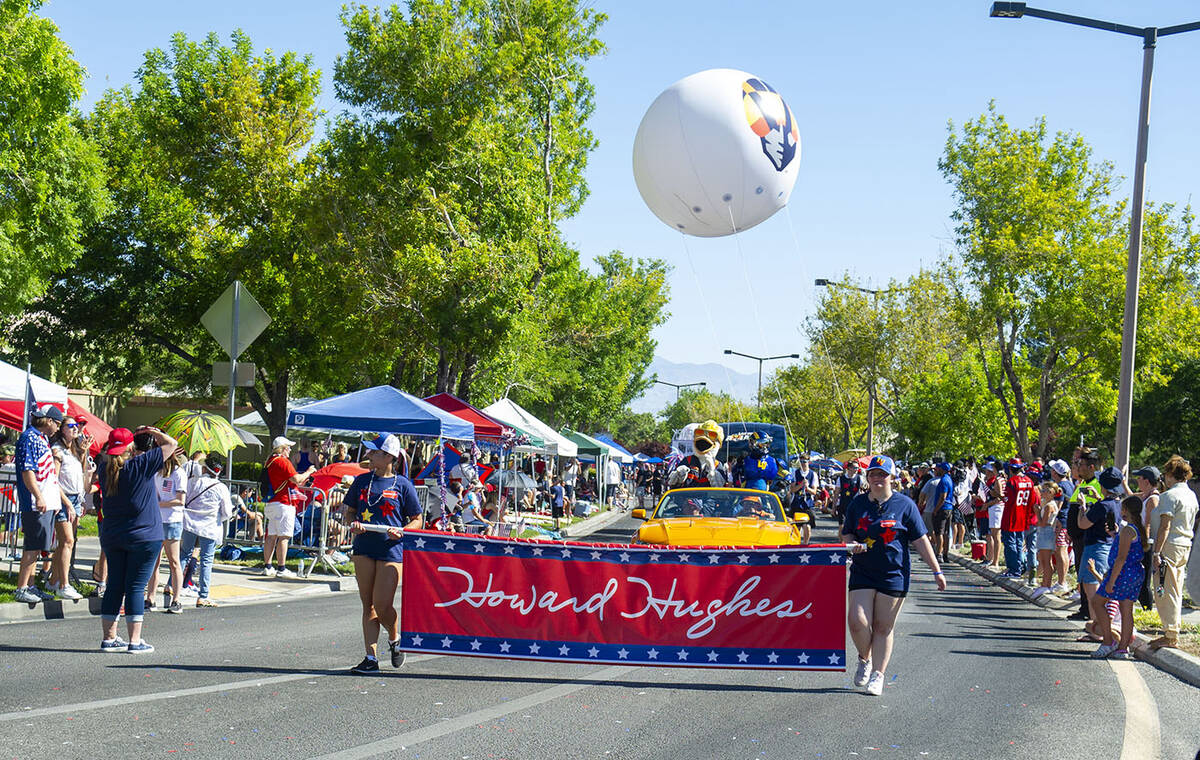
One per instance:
(880,526)
(379,505)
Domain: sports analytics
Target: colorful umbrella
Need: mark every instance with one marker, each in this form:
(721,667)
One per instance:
(197,430)
(331,474)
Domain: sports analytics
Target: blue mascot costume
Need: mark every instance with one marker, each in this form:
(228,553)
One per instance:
(760,469)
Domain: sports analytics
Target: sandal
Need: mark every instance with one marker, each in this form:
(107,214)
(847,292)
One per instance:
(1087,637)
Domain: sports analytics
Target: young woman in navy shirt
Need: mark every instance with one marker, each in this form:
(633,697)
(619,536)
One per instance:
(382,498)
(880,526)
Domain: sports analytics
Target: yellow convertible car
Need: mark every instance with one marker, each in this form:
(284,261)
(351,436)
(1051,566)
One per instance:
(719,517)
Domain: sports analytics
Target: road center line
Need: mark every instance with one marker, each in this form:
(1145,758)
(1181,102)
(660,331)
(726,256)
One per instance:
(399,742)
(1142,732)
(173,694)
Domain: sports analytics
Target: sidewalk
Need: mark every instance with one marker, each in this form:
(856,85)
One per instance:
(231,585)
(1178,663)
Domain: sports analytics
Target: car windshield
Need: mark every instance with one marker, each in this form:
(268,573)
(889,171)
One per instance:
(719,503)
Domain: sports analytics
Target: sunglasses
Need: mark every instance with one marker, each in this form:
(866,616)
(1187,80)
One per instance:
(72,425)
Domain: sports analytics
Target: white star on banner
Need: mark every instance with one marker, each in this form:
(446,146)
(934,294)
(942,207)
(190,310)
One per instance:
(624,556)
(652,654)
(419,543)
(563,650)
(475,645)
(534,648)
(773,557)
(566,552)
(684,557)
(772,657)
(446,642)
(509,549)
(595,555)
(836,559)
(449,546)
(479,548)
(743,558)
(622,653)
(537,551)
(742,657)
(505,646)
(654,558)
(712,656)
(803,659)
(834,659)
(681,654)
(714,559)
(417,641)
(593,652)
(803,559)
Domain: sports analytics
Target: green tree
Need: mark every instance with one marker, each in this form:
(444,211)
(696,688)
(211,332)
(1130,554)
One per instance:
(209,175)
(51,177)
(1166,419)
(699,404)
(825,405)
(1043,248)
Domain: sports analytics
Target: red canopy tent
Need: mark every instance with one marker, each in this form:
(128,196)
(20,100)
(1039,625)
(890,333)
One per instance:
(485,426)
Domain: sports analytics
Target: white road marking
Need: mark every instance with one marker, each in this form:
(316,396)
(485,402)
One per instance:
(407,739)
(1142,733)
(173,694)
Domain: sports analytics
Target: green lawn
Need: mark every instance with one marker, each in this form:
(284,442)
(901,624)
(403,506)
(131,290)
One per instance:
(8,586)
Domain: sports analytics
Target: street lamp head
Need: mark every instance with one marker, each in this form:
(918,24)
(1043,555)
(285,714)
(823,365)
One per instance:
(820,283)
(728,351)
(1007,10)
(794,356)
(703,383)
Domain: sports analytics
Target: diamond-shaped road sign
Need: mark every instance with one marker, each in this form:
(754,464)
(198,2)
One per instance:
(251,319)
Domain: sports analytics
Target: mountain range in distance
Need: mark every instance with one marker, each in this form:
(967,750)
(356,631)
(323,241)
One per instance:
(718,379)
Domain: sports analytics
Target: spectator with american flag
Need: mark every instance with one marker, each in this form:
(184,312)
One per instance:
(37,496)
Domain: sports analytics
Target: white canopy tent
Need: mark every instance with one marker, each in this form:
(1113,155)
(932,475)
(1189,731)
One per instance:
(510,413)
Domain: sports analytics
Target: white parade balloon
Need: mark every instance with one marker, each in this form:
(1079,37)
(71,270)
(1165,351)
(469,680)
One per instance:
(716,153)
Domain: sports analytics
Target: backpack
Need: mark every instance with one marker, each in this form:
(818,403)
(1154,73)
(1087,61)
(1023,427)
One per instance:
(265,490)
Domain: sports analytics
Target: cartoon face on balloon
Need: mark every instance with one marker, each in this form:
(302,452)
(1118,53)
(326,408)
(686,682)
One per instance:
(717,152)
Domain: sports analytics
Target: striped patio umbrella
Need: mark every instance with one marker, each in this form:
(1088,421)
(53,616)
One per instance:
(198,430)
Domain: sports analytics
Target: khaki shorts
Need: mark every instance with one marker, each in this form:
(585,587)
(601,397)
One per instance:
(281,519)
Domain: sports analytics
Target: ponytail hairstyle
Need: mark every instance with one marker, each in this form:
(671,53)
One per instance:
(113,471)
(1131,509)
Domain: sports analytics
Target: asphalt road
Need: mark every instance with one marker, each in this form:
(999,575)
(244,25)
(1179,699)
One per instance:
(977,673)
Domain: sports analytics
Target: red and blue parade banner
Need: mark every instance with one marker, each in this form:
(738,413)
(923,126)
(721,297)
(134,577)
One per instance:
(780,608)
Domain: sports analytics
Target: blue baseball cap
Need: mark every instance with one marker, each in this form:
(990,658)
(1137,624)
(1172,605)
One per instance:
(942,466)
(881,462)
(387,443)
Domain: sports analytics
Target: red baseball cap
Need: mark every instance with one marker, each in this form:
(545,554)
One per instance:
(118,440)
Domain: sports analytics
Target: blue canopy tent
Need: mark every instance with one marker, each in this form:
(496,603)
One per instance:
(607,440)
(382,409)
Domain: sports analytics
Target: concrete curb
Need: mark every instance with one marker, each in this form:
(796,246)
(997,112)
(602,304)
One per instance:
(1180,664)
(592,524)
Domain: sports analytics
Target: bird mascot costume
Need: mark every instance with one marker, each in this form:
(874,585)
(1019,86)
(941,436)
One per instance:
(699,469)
(760,469)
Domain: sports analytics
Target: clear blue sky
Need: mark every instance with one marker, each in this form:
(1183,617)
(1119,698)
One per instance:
(872,86)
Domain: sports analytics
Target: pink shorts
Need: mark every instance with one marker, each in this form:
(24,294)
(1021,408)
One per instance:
(1061,537)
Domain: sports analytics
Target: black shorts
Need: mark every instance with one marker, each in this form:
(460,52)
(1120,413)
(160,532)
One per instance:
(556,511)
(38,528)
(886,592)
(957,517)
(940,518)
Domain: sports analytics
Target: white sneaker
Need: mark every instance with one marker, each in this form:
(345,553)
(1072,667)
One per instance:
(66,592)
(25,595)
(875,684)
(269,572)
(190,592)
(286,573)
(1074,597)
(1039,591)
(1103,651)
(861,673)
(1059,588)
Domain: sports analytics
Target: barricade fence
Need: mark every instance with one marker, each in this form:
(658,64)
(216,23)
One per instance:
(10,519)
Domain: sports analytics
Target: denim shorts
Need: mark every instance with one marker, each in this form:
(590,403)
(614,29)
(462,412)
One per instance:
(1098,553)
(173,531)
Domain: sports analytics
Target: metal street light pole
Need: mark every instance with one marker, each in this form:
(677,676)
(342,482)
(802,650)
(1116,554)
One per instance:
(1149,37)
(760,360)
(823,283)
(677,386)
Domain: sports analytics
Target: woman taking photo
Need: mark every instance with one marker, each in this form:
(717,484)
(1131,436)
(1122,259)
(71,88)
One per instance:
(131,534)
(379,505)
(1171,524)
(880,526)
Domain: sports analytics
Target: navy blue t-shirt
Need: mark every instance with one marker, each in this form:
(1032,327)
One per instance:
(556,495)
(131,512)
(1098,514)
(390,501)
(887,529)
(1068,490)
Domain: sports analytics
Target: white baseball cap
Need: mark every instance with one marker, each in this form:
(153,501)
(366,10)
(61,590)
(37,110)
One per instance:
(281,440)
(1061,467)
(386,443)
